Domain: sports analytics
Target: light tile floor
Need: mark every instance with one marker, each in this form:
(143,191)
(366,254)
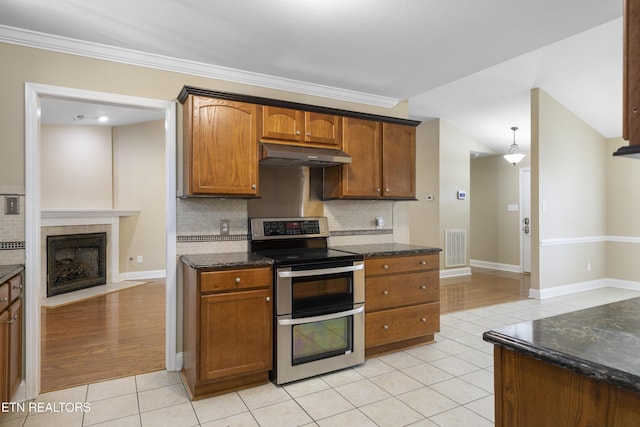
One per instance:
(447,383)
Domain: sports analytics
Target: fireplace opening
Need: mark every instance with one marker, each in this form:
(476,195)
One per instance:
(76,261)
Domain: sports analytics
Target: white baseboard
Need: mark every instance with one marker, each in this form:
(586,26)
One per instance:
(140,275)
(495,266)
(453,272)
(179,360)
(583,286)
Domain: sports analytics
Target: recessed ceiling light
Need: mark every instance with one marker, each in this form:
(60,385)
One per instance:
(103,119)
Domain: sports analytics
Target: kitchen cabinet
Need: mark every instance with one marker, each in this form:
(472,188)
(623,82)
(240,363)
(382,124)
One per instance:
(10,336)
(286,124)
(402,301)
(631,95)
(220,147)
(383,162)
(227,335)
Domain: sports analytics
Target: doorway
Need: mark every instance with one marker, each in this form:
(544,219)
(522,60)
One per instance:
(33,95)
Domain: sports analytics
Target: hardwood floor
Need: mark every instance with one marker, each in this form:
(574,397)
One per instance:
(111,336)
(482,288)
(123,333)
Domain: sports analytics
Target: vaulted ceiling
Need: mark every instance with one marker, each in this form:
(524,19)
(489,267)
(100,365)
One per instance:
(471,63)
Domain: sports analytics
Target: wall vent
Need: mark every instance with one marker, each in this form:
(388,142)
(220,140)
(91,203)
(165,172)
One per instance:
(455,247)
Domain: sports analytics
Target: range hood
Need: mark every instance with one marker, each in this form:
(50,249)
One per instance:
(293,155)
(632,151)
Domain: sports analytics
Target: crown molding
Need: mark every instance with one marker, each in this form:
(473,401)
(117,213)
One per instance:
(44,41)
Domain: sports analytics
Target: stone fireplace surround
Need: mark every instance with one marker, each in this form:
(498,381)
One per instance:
(78,221)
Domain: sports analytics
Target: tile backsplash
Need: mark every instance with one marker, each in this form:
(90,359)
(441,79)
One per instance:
(351,222)
(12,233)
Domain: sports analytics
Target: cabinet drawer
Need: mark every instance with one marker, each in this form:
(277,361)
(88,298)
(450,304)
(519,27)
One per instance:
(399,324)
(227,280)
(15,287)
(400,264)
(401,290)
(4,296)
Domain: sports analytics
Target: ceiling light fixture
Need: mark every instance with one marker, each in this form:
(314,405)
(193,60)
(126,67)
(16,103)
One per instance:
(103,119)
(514,155)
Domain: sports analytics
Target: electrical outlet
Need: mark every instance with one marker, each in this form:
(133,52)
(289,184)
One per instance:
(139,258)
(224,227)
(11,205)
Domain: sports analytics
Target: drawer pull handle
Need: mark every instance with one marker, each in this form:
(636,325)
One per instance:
(423,287)
(237,280)
(385,327)
(424,319)
(385,292)
(423,262)
(385,266)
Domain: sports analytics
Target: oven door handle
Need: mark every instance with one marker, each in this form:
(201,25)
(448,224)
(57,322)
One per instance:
(320,271)
(301,321)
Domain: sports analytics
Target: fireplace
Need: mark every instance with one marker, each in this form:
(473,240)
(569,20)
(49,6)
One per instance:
(76,261)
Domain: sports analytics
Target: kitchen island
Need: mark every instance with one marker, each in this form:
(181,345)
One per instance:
(579,368)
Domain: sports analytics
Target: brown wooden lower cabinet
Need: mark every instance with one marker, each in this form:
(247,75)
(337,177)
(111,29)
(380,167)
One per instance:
(227,331)
(402,301)
(530,392)
(10,337)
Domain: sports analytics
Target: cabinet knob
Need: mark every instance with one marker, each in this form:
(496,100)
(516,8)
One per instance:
(268,299)
(377,189)
(385,266)
(385,292)
(386,189)
(423,320)
(253,186)
(237,280)
(308,133)
(5,299)
(297,132)
(423,287)
(385,326)
(423,262)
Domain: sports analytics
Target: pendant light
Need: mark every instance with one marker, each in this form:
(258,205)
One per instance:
(514,155)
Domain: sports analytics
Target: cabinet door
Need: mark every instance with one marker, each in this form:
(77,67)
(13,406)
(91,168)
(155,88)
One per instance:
(631,97)
(4,356)
(361,178)
(398,161)
(322,128)
(14,323)
(282,124)
(235,333)
(224,151)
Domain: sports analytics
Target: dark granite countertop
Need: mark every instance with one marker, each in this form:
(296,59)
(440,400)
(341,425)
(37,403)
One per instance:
(387,249)
(601,342)
(8,271)
(225,260)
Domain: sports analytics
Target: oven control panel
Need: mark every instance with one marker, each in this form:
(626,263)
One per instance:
(283,228)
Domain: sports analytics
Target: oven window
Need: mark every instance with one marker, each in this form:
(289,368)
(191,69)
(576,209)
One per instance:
(319,340)
(316,294)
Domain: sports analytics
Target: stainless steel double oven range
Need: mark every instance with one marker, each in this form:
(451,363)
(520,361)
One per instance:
(319,298)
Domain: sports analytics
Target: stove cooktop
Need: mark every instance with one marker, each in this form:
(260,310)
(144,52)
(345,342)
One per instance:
(308,255)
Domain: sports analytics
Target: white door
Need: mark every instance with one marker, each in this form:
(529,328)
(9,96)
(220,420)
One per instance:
(525,220)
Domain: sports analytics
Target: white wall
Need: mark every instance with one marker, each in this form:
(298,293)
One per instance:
(76,167)
(139,184)
(568,197)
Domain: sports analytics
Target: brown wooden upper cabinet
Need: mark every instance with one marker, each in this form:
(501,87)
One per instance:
(220,147)
(631,116)
(383,162)
(285,124)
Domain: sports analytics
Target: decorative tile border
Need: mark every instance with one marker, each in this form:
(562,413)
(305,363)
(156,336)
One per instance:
(211,238)
(8,246)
